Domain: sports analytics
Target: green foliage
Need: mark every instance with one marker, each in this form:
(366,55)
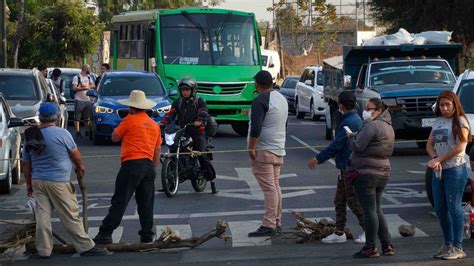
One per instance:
(425,15)
(55,32)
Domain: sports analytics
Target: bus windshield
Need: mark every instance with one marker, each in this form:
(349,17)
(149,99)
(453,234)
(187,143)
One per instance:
(208,39)
(404,72)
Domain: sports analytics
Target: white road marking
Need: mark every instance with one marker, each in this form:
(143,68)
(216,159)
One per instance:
(331,161)
(240,230)
(246,190)
(394,221)
(116,235)
(249,212)
(183,229)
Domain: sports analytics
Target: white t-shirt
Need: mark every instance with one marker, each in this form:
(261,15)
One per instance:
(444,140)
(81,95)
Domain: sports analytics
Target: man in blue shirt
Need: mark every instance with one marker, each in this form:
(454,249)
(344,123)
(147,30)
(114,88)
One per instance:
(338,149)
(47,169)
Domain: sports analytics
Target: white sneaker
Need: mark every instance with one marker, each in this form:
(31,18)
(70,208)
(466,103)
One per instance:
(360,239)
(334,238)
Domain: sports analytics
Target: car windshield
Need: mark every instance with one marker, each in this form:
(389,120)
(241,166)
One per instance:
(15,87)
(123,85)
(68,92)
(289,83)
(405,72)
(466,94)
(208,39)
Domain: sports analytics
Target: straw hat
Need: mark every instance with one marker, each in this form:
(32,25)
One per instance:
(138,100)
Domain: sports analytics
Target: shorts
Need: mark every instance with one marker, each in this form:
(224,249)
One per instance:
(82,110)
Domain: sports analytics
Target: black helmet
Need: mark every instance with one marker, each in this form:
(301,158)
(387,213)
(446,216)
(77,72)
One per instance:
(188,83)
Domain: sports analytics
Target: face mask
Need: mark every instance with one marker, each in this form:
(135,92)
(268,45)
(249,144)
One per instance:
(367,115)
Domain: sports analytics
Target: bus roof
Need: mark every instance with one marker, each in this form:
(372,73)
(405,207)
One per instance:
(150,15)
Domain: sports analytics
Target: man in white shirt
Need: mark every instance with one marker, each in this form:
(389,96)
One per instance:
(82,104)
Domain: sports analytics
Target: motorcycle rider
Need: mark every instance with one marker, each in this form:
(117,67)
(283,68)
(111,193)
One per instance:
(188,109)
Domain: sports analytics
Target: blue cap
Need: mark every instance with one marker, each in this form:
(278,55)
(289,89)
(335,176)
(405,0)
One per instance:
(48,110)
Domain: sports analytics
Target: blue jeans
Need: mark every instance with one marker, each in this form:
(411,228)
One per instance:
(447,197)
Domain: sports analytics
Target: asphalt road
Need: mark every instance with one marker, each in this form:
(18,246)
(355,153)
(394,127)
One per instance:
(239,202)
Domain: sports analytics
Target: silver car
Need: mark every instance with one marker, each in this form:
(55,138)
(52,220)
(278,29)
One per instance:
(10,142)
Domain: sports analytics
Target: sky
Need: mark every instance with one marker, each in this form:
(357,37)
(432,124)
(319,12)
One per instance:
(259,7)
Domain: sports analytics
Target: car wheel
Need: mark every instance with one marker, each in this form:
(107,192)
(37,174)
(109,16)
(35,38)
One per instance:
(299,115)
(6,184)
(16,171)
(314,117)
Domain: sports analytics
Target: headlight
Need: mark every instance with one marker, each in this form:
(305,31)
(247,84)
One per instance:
(164,109)
(103,110)
(390,101)
(31,121)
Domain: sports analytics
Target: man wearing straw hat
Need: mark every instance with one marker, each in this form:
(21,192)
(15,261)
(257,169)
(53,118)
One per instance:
(141,140)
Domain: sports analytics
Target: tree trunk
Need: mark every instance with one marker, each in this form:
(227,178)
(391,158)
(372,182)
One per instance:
(19,32)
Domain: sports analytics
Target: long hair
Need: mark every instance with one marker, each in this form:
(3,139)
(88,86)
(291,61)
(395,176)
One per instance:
(458,111)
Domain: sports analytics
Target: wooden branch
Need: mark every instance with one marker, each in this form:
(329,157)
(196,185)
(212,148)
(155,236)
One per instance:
(221,227)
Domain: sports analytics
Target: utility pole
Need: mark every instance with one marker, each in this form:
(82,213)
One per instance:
(3,34)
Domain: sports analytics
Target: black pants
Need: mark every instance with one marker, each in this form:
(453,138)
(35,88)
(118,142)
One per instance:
(199,144)
(135,176)
(369,189)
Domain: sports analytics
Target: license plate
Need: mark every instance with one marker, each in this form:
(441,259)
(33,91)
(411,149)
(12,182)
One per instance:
(427,122)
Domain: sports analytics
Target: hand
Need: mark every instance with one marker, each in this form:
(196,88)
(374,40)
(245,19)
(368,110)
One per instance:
(350,134)
(80,171)
(253,155)
(29,189)
(312,163)
(435,164)
(85,87)
(197,123)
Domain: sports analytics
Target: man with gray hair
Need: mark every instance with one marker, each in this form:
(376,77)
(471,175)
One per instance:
(47,169)
(82,104)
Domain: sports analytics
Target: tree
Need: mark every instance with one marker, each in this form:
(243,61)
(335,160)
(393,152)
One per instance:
(55,32)
(424,15)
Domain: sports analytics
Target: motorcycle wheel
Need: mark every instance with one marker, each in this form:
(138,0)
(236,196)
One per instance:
(169,177)
(199,183)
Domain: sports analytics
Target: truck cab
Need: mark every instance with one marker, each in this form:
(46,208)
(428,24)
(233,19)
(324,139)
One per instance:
(408,78)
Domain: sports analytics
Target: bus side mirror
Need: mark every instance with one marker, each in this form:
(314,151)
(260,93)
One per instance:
(347,81)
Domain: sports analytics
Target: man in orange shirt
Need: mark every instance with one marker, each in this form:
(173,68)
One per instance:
(141,140)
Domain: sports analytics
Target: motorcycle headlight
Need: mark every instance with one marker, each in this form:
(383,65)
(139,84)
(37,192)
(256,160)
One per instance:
(31,121)
(390,101)
(103,110)
(164,109)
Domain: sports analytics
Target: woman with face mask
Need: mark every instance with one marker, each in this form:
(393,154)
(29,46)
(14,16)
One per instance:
(369,170)
(446,146)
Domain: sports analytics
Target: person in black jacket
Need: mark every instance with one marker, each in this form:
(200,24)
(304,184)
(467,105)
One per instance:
(191,109)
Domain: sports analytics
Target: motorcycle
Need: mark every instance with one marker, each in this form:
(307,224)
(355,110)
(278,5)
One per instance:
(181,163)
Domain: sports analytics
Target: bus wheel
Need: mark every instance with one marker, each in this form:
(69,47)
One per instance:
(241,128)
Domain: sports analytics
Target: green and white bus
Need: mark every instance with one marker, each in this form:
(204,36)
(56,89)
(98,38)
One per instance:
(219,48)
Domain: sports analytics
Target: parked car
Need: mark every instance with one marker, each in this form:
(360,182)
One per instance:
(61,100)
(271,63)
(67,74)
(309,94)
(25,90)
(464,88)
(107,112)
(287,89)
(10,169)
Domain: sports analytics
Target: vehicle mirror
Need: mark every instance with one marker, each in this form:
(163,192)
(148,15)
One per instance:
(15,122)
(308,82)
(91,93)
(172,93)
(347,81)
(271,65)
(62,100)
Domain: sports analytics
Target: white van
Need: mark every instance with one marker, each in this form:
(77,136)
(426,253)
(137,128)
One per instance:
(271,63)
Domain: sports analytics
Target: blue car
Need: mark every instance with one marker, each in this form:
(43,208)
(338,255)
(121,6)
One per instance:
(107,112)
